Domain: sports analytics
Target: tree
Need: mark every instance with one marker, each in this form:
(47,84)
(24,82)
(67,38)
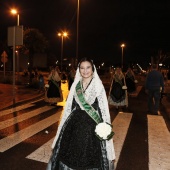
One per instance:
(33,42)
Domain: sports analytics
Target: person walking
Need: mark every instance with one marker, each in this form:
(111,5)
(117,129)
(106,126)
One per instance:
(130,80)
(53,94)
(118,90)
(78,144)
(154,85)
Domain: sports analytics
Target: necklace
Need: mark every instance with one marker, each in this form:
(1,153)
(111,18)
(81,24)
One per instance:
(85,85)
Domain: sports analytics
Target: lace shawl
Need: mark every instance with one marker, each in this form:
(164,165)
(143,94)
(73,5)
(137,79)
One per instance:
(95,89)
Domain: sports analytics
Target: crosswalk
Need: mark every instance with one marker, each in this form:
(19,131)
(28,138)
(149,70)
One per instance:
(158,140)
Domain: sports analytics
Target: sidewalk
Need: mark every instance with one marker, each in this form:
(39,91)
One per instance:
(22,94)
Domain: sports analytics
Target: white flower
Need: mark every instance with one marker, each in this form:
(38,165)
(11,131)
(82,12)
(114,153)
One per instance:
(47,85)
(104,130)
(136,81)
(124,87)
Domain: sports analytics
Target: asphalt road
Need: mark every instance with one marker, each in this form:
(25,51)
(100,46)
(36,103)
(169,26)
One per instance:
(141,140)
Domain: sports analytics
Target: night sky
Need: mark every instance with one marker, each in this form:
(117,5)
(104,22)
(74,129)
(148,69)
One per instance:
(103,25)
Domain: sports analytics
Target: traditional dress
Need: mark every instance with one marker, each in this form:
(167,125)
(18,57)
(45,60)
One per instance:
(76,147)
(118,91)
(53,94)
(130,81)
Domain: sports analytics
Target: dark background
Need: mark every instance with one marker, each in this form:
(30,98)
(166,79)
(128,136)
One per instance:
(103,25)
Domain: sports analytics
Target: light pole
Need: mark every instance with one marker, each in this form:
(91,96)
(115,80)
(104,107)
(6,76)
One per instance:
(62,35)
(15,12)
(122,46)
(77,44)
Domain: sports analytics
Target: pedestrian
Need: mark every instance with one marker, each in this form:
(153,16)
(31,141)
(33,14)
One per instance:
(118,90)
(130,80)
(154,85)
(76,146)
(54,94)
(41,82)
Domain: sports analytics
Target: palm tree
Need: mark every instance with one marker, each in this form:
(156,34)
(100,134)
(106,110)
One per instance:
(34,42)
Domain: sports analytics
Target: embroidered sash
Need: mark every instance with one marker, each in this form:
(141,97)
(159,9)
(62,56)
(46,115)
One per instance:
(88,108)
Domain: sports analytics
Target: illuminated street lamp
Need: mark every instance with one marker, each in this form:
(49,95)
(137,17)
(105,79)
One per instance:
(62,35)
(122,46)
(15,12)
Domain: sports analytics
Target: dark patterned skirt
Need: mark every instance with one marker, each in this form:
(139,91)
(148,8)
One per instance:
(53,94)
(117,93)
(78,147)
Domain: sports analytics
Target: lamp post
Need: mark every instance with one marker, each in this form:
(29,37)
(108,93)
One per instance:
(77,44)
(122,46)
(15,12)
(62,35)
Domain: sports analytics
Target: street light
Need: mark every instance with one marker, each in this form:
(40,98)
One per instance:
(15,12)
(122,46)
(62,35)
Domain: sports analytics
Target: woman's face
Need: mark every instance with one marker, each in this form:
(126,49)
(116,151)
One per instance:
(86,69)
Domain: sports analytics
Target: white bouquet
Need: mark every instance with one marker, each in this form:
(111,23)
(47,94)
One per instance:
(104,131)
(47,86)
(124,87)
(136,81)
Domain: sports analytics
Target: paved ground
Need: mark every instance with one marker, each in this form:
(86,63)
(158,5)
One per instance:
(22,94)
(135,131)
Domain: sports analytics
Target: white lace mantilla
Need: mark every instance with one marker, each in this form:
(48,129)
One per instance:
(95,90)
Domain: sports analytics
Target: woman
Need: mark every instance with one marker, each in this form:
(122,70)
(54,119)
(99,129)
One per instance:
(53,94)
(130,80)
(76,146)
(118,90)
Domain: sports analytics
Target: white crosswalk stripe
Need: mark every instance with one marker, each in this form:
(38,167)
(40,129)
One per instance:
(159,143)
(120,127)
(12,140)
(23,117)
(18,108)
(15,109)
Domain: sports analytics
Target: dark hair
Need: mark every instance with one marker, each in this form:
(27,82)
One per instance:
(88,60)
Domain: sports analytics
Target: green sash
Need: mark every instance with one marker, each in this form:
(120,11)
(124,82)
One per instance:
(88,108)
